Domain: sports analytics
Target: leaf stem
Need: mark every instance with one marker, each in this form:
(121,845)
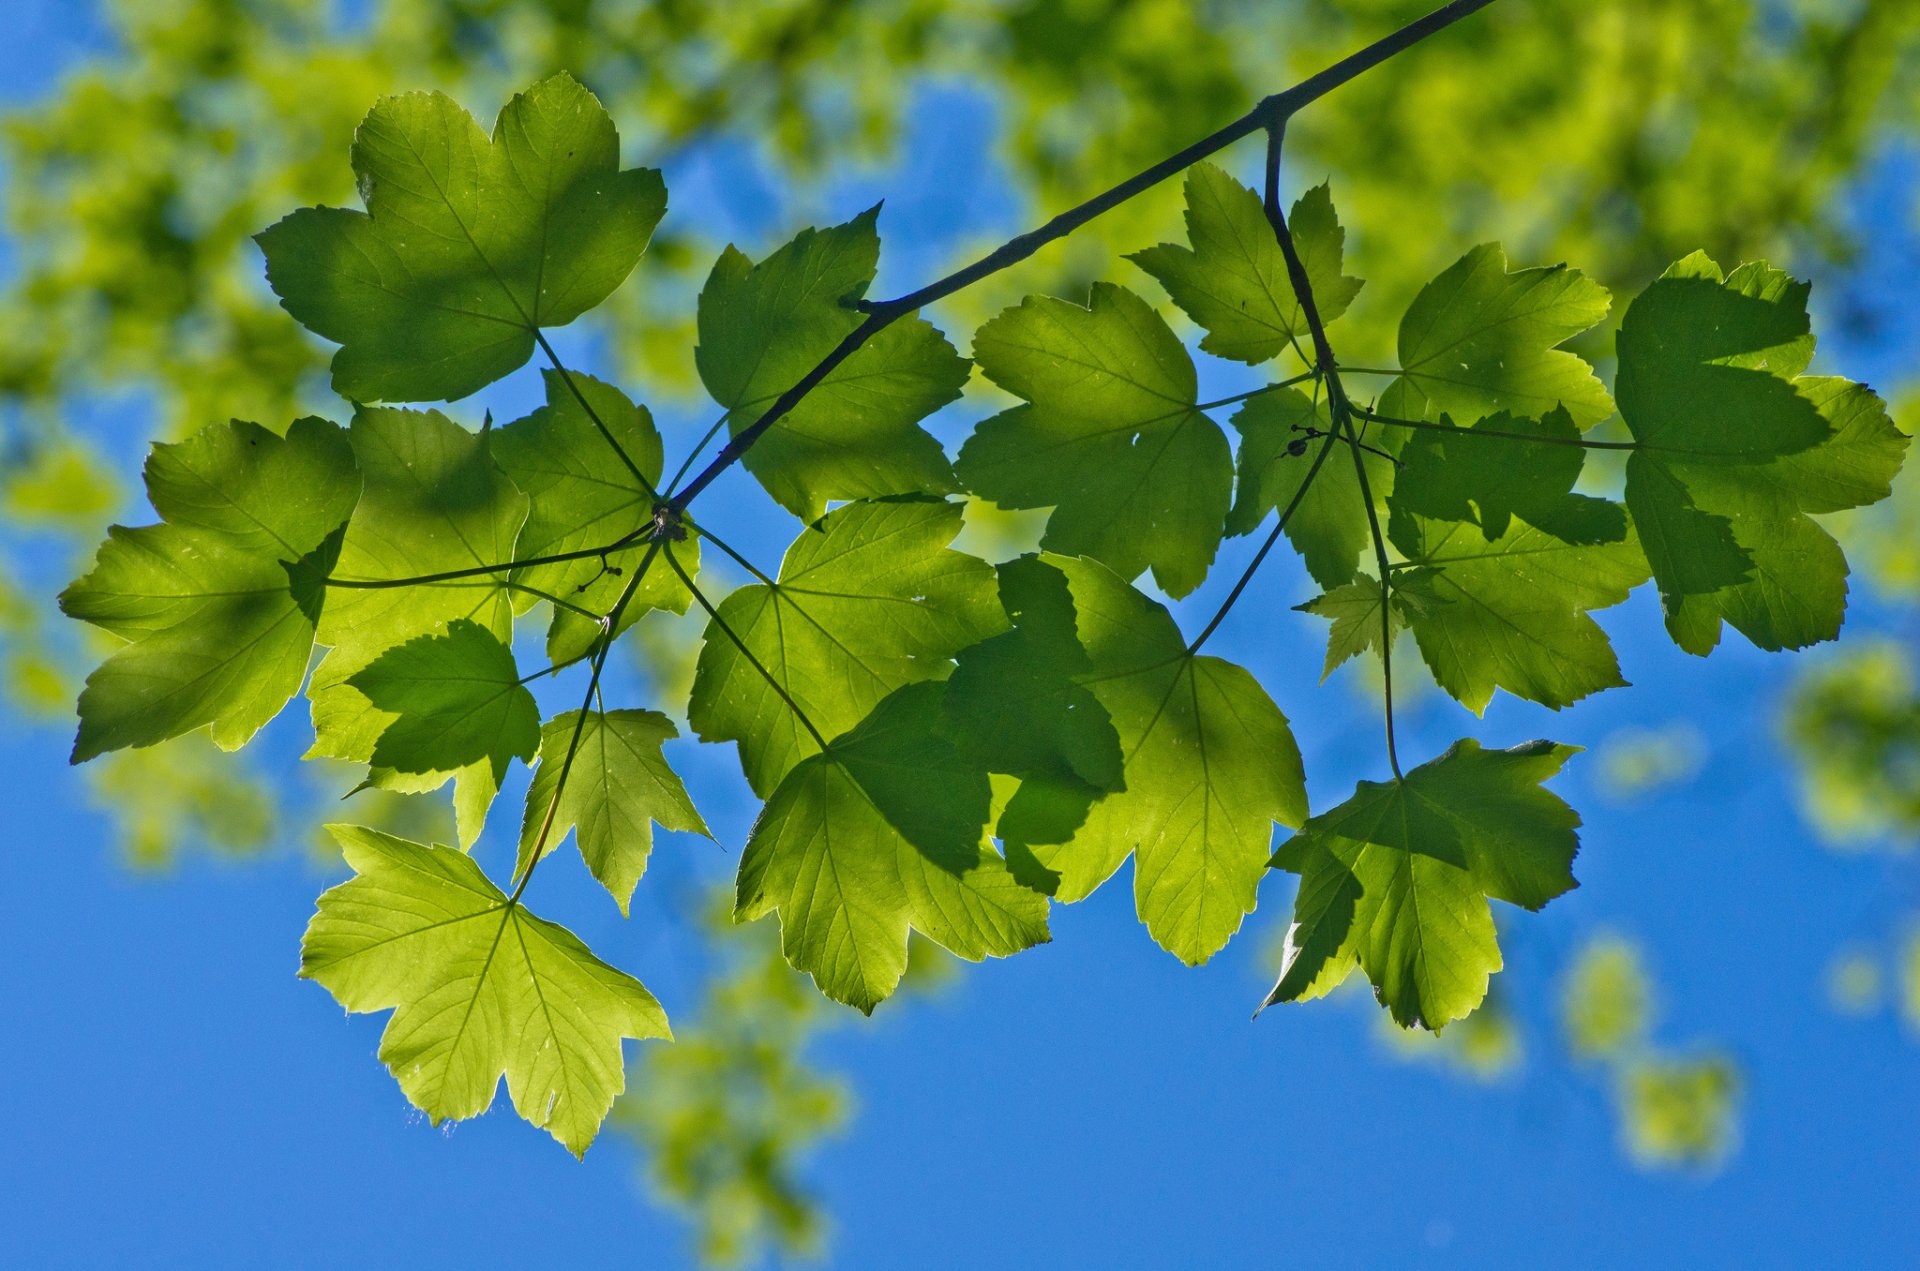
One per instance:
(1270,112)
(1476,431)
(594,415)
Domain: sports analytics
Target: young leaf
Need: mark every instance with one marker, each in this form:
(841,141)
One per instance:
(1329,526)
(456,699)
(1110,439)
(1210,765)
(868,599)
(219,601)
(881,832)
(590,467)
(1514,560)
(1354,610)
(433,503)
(1397,878)
(479,988)
(468,245)
(618,787)
(1478,340)
(1735,447)
(856,436)
(1234,281)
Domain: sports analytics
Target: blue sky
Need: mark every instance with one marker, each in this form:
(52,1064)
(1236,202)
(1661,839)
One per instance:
(174,1096)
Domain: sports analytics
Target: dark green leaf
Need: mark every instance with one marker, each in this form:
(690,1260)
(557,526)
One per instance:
(868,600)
(764,327)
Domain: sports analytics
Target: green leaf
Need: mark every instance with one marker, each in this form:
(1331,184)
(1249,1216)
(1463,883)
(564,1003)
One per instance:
(479,988)
(219,602)
(617,788)
(1354,610)
(456,699)
(1512,561)
(1736,447)
(433,503)
(1110,439)
(1210,765)
(1329,527)
(882,832)
(468,245)
(1397,878)
(590,467)
(1016,706)
(764,327)
(1478,340)
(1234,281)
(868,599)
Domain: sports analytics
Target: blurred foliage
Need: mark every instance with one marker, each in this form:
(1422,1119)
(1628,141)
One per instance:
(1606,1003)
(1675,1109)
(1485,1046)
(728,1114)
(1619,135)
(1635,762)
(1680,1112)
(1853,721)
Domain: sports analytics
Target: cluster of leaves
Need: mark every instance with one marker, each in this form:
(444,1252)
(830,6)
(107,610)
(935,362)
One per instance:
(1677,1108)
(944,745)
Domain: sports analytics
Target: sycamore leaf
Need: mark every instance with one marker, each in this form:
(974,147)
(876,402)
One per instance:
(1110,438)
(433,503)
(479,988)
(617,788)
(582,494)
(1016,706)
(456,698)
(1478,340)
(468,245)
(1329,527)
(1234,281)
(1354,610)
(1398,877)
(868,599)
(1735,447)
(764,326)
(219,601)
(1514,558)
(882,832)
(1209,766)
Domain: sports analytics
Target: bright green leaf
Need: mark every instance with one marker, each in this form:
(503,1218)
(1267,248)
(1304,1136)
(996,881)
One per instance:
(1209,766)
(1397,878)
(617,788)
(433,503)
(590,468)
(869,599)
(882,832)
(1234,281)
(479,988)
(219,602)
(468,245)
(856,435)
(1478,340)
(1110,439)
